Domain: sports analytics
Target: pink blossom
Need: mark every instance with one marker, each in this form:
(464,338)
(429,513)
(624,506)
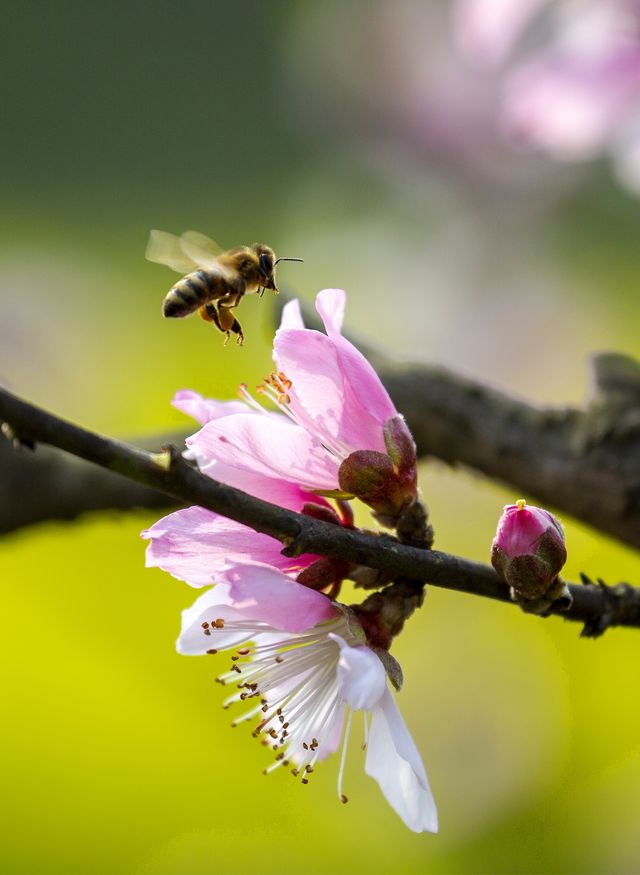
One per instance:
(201,547)
(305,662)
(242,447)
(334,393)
(339,435)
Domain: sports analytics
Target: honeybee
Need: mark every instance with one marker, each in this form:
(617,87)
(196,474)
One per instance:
(216,280)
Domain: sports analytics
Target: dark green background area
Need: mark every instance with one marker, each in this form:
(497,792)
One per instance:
(226,117)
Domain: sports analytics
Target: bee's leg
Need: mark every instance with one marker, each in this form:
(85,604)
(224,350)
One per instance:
(228,323)
(210,314)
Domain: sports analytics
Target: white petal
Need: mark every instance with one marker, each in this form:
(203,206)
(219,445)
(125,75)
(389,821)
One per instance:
(212,605)
(362,680)
(393,760)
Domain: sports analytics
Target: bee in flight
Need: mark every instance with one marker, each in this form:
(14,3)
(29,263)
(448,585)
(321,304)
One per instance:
(216,280)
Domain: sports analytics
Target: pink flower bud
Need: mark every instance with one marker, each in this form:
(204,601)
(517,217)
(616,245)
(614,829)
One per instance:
(401,449)
(373,478)
(528,550)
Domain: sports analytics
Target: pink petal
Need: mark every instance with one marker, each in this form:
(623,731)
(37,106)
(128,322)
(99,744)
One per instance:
(364,383)
(199,547)
(393,760)
(267,595)
(291,315)
(330,304)
(521,527)
(328,375)
(276,491)
(205,409)
(268,447)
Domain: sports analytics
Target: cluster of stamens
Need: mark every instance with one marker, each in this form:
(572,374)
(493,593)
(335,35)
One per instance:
(294,681)
(276,387)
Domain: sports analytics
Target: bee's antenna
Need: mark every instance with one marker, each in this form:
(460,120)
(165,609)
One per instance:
(288,259)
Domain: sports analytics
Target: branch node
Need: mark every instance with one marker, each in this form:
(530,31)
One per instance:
(295,545)
(167,458)
(18,442)
(557,600)
(621,605)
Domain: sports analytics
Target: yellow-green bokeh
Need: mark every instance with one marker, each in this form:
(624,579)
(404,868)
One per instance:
(116,755)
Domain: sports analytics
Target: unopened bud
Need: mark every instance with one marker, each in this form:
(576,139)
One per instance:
(371,477)
(528,550)
(374,478)
(401,448)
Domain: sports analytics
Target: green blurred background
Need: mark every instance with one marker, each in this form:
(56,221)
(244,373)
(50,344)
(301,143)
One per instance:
(288,122)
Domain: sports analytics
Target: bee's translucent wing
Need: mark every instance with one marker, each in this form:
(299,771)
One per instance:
(165,248)
(201,249)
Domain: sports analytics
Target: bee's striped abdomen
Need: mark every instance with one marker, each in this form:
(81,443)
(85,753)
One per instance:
(190,293)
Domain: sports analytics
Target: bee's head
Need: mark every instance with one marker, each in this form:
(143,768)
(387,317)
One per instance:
(266,265)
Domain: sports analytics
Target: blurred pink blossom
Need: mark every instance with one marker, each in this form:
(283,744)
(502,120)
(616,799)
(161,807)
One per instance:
(570,71)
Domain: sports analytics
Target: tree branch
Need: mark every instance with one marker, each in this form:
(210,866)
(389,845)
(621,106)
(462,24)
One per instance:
(48,485)
(597,606)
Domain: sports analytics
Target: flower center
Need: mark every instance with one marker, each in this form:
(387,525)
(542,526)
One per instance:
(293,678)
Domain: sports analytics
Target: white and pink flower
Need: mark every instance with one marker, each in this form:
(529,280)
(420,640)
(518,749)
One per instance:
(302,663)
(303,668)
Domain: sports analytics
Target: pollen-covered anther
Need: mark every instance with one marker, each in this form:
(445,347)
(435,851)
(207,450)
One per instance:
(219,623)
(205,625)
(343,799)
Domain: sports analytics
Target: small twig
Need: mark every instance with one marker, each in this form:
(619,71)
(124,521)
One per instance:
(171,475)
